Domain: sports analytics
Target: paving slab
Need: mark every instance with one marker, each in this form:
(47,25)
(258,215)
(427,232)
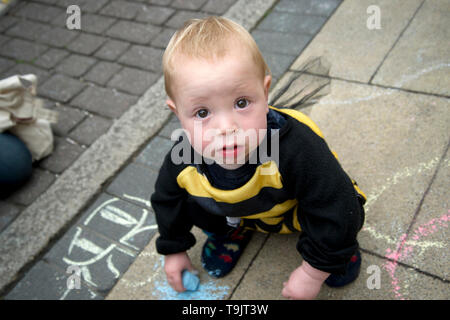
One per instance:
(136,183)
(22,50)
(420,61)
(264,278)
(8,212)
(310,7)
(54,280)
(101,261)
(355,51)
(133,81)
(90,129)
(146,280)
(404,284)
(60,88)
(390,142)
(39,181)
(133,32)
(154,153)
(104,101)
(68,118)
(427,246)
(65,152)
(102,72)
(123,222)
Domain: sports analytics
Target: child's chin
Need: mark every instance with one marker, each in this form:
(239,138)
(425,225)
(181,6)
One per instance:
(227,162)
(230,166)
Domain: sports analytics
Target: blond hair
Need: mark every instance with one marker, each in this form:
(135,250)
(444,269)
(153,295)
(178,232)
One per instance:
(208,38)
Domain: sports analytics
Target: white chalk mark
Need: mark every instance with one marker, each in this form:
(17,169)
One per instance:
(137,229)
(93,294)
(378,93)
(125,251)
(86,222)
(112,267)
(117,215)
(84,244)
(64,295)
(92,260)
(146,202)
(87,276)
(390,182)
(404,173)
(407,78)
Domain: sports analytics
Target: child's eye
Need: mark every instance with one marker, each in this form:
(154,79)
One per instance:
(242,103)
(202,113)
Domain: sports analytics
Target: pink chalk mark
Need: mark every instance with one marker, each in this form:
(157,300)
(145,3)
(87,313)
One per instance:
(402,251)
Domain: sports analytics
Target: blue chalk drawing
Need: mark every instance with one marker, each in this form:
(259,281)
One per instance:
(206,291)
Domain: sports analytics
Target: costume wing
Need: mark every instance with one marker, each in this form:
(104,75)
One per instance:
(304,87)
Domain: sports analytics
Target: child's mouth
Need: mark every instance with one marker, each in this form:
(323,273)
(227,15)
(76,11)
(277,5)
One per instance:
(230,151)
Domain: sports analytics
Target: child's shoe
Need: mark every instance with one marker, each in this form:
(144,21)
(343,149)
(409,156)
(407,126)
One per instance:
(352,272)
(221,253)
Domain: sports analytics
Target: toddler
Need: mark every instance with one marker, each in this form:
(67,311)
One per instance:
(243,165)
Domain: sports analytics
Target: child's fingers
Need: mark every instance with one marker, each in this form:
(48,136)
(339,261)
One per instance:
(176,282)
(285,293)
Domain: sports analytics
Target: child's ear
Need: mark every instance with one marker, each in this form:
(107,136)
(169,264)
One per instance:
(172,106)
(267,82)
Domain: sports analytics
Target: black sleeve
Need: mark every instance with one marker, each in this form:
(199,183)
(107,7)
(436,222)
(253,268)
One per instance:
(168,201)
(329,211)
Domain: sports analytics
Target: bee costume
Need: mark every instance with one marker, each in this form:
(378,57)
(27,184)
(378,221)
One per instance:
(307,191)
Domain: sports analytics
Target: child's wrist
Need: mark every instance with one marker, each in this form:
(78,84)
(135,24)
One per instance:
(314,273)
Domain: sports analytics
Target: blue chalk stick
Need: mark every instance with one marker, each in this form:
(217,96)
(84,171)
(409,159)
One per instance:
(190,281)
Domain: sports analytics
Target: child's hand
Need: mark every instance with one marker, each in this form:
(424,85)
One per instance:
(304,283)
(174,264)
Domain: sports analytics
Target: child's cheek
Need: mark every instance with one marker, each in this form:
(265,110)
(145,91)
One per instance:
(208,145)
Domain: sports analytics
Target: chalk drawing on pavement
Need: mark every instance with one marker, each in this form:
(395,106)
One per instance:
(328,100)
(207,290)
(91,257)
(404,246)
(155,283)
(404,250)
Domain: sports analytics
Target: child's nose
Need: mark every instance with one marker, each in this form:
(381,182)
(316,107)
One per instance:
(227,124)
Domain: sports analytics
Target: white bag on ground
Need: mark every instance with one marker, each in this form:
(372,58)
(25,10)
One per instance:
(22,113)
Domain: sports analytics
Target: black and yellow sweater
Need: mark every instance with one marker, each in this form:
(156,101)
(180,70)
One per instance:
(307,191)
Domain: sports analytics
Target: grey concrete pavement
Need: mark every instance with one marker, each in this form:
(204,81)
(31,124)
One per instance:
(387,118)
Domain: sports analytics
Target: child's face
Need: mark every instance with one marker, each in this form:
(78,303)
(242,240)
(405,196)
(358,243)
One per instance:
(221,103)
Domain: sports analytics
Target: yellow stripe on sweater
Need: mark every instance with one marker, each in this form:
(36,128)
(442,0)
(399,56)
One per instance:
(198,185)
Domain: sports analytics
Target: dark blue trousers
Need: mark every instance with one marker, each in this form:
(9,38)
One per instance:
(15,163)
